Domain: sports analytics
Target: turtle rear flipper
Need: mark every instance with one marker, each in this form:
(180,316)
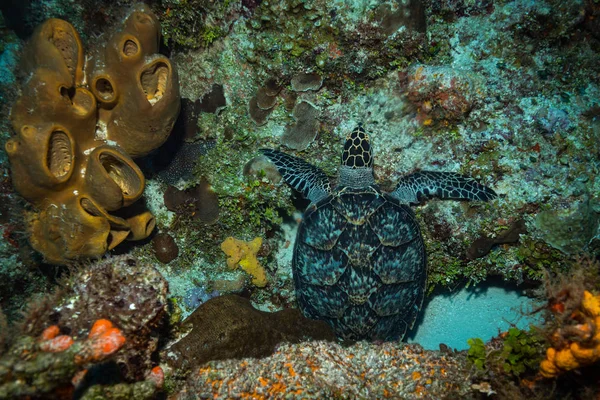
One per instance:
(424,185)
(302,176)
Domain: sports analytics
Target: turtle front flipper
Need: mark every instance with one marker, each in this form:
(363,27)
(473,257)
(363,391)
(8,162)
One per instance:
(302,176)
(423,185)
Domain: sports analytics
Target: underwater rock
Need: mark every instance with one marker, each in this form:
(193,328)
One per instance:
(546,19)
(299,135)
(52,363)
(328,370)
(213,102)
(229,327)
(570,229)
(132,294)
(165,248)
(196,24)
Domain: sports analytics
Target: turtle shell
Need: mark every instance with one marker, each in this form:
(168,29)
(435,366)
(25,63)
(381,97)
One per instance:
(359,264)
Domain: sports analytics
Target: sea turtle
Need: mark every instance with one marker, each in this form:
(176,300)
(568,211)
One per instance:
(359,259)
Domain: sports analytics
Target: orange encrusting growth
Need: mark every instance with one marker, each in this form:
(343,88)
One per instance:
(57,344)
(583,348)
(105,339)
(50,332)
(157,376)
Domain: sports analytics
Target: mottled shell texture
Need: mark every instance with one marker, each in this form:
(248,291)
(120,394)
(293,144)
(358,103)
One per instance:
(359,264)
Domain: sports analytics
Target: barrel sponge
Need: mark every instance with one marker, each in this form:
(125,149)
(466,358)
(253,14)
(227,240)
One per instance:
(76,178)
(137,89)
(76,229)
(55,45)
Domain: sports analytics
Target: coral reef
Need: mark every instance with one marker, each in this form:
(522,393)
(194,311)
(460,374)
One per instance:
(321,370)
(515,352)
(261,104)
(483,245)
(506,92)
(243,254)
(578,344)
(303,82)
(71,157)
(197,23)
(229,327)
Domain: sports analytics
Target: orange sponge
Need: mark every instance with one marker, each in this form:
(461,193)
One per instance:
(583,348)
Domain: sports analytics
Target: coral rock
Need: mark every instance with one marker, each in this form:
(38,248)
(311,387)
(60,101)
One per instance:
(328,370)
(244,254)
(258,115)
(133,295)
(32,369)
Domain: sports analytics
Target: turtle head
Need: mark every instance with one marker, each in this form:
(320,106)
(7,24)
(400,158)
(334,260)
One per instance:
(357,150)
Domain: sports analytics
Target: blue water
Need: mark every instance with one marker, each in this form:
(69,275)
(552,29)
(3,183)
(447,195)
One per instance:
(482,311)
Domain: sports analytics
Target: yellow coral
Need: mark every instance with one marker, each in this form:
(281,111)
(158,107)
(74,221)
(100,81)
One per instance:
(244,254)
(581,353)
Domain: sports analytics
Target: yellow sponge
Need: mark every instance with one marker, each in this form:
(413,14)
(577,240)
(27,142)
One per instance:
(244,254)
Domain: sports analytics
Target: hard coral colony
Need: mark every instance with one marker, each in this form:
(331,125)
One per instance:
(78,125)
